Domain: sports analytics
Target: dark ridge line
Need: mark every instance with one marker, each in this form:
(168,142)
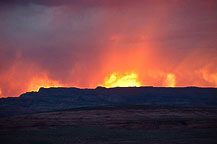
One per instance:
(100,87)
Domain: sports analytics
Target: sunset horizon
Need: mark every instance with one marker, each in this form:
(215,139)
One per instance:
(108,71)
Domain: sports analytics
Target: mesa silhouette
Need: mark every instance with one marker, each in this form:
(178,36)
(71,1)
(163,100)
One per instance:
(51,99)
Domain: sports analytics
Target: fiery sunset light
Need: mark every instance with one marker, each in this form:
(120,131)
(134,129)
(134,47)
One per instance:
(170,81)
(88,43)
(37,83)
(127,80)
(0,92)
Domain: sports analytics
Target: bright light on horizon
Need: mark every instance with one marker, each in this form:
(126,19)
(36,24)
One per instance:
(126,80)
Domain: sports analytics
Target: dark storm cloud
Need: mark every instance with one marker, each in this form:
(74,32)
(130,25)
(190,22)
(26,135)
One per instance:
(107,2)
(88,3)
(58,40)
(41,2)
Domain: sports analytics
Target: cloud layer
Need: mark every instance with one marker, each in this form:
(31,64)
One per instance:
(81,42)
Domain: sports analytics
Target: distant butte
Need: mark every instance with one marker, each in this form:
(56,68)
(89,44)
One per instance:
(50,99)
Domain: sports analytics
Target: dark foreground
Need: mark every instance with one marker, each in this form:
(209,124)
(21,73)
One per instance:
(113,125)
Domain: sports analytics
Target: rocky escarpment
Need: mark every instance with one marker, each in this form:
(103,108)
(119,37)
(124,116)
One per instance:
(49,99)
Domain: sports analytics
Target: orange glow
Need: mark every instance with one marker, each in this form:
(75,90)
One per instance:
(134,43)
(45,82)
(126,80)
(170,81)
(212,78)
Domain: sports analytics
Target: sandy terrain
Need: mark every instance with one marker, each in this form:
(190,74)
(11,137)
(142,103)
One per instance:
(121,124)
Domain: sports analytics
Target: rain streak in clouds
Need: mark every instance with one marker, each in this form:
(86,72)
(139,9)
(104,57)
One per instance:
(82,43)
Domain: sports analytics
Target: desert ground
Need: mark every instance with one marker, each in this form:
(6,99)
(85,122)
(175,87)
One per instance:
(148,124)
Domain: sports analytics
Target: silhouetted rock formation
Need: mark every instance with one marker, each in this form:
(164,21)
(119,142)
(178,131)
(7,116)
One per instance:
(49,99)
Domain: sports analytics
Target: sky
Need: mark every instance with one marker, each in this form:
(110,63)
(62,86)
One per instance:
(90,43)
